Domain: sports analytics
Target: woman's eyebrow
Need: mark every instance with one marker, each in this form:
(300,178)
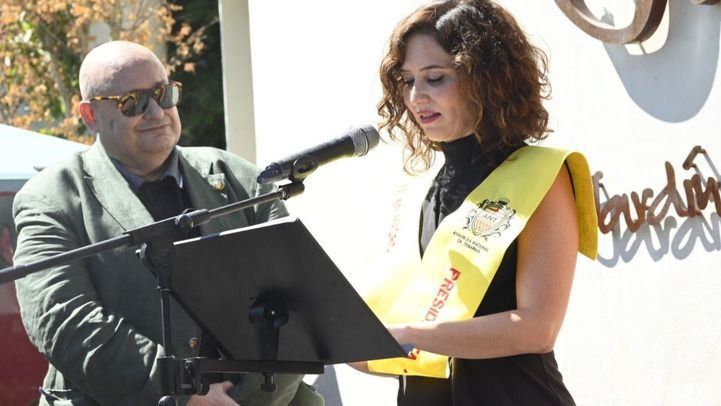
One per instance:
(429,67)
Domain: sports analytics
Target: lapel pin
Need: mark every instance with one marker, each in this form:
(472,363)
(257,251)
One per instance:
(217,181)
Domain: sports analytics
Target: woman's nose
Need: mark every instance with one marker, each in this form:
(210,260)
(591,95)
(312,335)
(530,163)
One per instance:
(418,95)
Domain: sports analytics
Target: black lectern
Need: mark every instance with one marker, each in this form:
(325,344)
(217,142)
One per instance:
(270,293)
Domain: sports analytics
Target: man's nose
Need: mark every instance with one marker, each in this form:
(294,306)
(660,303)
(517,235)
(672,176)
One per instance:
(153,110)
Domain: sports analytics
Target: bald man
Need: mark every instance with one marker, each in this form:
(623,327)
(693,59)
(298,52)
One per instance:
(98,321)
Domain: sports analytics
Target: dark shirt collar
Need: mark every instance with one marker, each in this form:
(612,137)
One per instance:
(172,169)
(461,151)
(467,151)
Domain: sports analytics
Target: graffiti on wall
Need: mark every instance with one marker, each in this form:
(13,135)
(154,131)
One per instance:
(646,19)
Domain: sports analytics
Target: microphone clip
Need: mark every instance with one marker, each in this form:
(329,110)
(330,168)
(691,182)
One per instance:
(302,168)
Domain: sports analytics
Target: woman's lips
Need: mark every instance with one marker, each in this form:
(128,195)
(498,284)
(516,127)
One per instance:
(427,118)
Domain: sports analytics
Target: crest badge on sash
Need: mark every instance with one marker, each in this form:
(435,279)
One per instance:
(490,218)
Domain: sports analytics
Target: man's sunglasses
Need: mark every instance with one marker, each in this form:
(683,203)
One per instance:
(136,102)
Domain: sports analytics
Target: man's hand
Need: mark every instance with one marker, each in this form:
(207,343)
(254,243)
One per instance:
(216,396)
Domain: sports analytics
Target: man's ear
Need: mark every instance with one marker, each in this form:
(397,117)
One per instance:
(87,112)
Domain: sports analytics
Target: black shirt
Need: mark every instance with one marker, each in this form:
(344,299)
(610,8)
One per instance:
(169,197)
(527,379)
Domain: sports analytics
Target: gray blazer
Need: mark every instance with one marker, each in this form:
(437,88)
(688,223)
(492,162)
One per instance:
(98,321)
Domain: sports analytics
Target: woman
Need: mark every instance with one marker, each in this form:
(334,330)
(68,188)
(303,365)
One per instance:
(461,77)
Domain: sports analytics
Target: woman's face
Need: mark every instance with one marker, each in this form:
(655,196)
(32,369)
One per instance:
(432,91)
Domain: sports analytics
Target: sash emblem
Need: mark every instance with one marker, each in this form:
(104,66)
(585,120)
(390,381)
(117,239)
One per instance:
(490,218)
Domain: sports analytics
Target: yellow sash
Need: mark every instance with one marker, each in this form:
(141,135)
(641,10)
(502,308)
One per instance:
(466,249)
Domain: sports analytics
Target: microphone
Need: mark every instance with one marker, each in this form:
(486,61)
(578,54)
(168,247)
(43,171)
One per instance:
(354,142)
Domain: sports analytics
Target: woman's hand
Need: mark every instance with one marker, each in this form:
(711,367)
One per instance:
(398,331)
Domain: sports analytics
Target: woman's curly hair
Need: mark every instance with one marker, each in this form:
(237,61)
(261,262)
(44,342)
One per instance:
(503,76)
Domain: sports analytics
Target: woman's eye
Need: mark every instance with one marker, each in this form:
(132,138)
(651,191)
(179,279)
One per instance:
(408,82)
(435,80)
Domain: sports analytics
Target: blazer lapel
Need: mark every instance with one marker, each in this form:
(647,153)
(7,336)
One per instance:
(208,191)
(112,190)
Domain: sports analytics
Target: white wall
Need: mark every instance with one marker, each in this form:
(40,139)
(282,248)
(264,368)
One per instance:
(643,323)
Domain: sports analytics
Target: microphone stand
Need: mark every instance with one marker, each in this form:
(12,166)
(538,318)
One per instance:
(156,253)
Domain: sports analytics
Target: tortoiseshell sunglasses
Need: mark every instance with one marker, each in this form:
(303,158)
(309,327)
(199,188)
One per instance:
(136,102)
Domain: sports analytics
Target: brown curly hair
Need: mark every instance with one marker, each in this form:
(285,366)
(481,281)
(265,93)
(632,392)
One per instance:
(503,76)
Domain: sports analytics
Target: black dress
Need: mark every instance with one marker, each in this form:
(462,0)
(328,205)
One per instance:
(527,379)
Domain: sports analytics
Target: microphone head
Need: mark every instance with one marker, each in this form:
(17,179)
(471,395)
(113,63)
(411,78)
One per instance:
(364,139)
